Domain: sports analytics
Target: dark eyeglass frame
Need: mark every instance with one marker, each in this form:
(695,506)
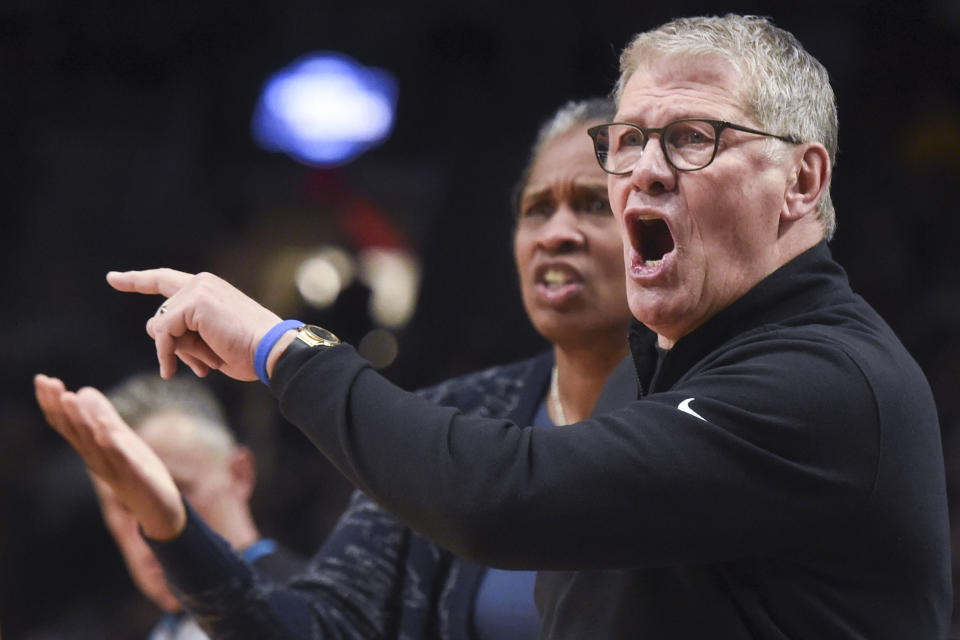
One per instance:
(718,127)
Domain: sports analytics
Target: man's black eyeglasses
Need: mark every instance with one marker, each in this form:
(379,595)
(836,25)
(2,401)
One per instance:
(688,144)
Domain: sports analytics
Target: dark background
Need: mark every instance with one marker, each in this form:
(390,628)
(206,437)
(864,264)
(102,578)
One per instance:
(126,144)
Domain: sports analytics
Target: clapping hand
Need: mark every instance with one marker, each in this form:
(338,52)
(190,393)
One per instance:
(115,455)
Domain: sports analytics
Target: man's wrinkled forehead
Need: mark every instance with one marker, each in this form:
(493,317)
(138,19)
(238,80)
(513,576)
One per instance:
(676,73)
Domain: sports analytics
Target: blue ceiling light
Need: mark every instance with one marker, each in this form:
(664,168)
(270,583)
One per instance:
(325,109)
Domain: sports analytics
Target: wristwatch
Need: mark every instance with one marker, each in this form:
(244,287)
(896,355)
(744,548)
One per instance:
(314,336)
(308,336)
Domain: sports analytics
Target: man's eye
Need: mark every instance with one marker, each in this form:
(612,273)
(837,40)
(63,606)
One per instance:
(689,135)
(630,138)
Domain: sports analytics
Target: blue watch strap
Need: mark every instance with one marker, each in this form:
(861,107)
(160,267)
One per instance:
(266,344)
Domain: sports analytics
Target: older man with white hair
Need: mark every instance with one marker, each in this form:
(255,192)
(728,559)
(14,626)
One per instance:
(184,423)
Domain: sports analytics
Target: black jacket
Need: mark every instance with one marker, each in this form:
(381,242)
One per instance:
(780,476)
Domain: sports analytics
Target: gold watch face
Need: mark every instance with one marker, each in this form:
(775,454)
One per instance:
(317,336)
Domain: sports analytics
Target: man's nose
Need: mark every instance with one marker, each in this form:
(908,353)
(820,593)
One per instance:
(653,173)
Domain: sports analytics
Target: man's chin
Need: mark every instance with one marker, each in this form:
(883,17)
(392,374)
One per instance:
(649,308)
(658,314)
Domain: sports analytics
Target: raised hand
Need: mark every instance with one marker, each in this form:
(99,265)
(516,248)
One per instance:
(115,455)
(206,322)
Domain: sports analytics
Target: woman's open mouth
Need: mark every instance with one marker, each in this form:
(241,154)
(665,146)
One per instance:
(557,282)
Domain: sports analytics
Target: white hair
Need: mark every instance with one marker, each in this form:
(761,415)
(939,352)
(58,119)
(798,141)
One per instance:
(784,88)
(144,396)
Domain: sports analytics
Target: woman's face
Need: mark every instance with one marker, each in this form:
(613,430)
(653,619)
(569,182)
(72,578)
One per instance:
(567,246)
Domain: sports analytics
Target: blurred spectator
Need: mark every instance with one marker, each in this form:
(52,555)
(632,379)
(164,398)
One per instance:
(184,424)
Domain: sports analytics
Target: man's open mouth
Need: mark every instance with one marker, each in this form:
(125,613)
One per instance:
(651,239)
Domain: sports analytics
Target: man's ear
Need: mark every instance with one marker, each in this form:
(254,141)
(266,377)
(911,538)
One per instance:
(243,471)
(811,175)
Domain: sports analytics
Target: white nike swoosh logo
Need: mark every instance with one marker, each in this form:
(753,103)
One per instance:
(685,407)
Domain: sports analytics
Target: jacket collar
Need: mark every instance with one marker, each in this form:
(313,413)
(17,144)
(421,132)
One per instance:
(806,282)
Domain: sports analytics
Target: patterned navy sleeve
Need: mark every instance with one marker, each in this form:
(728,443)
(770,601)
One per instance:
(373,577)
(348,591)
